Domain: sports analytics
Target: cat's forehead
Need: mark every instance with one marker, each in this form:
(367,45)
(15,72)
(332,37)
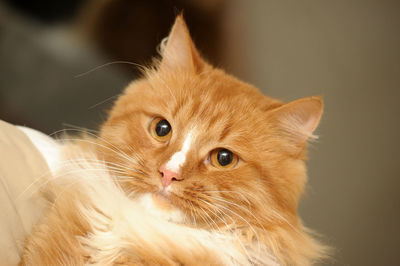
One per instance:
(207,95)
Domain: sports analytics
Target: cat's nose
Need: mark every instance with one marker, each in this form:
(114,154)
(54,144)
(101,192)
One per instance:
(168,176)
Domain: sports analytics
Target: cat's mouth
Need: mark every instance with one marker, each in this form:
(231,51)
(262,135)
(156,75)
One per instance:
(162,200)
(160,205)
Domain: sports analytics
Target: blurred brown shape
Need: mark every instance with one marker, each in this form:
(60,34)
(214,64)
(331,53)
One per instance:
(131,30)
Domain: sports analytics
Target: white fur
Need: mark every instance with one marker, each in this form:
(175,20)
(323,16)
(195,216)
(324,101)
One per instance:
(119,222)
(178,159)
(147,202)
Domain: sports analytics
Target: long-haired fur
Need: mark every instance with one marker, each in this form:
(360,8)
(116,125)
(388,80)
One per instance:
(111,208)
(91,221)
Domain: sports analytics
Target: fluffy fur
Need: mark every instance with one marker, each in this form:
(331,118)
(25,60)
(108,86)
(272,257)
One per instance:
(84,226)
(112,209)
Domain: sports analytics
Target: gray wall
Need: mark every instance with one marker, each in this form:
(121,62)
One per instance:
(348,52)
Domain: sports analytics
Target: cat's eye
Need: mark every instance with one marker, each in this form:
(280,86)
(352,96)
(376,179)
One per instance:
(160,129)
(223,158)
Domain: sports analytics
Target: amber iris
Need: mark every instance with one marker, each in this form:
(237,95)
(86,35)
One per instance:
(223,158)
(160,129)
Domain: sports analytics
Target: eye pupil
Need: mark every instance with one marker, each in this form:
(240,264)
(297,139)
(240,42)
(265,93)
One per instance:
(163,128)
(225,157)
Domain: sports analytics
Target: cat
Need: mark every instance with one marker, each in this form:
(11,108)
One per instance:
(192,167)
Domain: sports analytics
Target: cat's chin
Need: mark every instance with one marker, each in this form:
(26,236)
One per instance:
(162,201)
(159,205)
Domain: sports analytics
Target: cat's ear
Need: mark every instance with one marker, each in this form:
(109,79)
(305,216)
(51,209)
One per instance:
(297,120)
(179,51)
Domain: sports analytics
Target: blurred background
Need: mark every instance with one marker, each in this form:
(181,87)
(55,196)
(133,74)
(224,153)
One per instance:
(346,51)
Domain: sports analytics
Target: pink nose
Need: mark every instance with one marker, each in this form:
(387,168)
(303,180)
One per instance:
(168,176)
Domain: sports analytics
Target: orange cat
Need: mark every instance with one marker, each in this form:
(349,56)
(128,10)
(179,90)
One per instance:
(192,167)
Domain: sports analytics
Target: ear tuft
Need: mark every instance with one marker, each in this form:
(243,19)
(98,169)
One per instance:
(298,119)
(178,50)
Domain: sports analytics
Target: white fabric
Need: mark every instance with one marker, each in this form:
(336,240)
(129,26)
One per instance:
(48,147)
(22,172)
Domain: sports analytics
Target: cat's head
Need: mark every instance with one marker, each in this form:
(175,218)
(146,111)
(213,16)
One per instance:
(195,140)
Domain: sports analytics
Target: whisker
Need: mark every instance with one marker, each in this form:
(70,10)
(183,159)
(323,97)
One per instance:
(248,224)
(209,217)
(238,215)
(113,168)
(142,67)
(76,181)
(94,161)
(238,238)
(191,211)
(240,207)
(116,151)
(136,159)
(204,219)
(74,172)
(233,192)
(83,129)
(286,221)
(104,101)
(214,213)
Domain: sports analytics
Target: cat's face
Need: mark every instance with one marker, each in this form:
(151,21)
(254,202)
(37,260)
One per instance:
(197,141)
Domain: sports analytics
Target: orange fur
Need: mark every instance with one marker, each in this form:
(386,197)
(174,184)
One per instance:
(257,199)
